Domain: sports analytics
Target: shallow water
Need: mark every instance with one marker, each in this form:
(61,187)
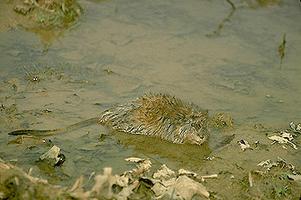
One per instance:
(120,50)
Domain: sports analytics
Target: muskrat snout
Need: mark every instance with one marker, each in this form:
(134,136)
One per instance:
(193,138)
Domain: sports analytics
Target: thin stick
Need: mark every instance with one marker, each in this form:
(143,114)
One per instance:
(221,24)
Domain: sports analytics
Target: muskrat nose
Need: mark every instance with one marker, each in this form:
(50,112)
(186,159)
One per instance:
(192,138)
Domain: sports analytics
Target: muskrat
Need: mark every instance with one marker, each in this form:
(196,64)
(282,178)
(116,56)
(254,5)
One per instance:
(157,115)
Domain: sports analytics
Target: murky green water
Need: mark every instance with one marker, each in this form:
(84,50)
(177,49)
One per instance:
(120,50)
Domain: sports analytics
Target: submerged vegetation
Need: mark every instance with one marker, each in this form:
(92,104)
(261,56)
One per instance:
(234,8)
(281,49)
(262,3)
(35,74)
(271,181)
(48,14)
(221,25)
(47,18)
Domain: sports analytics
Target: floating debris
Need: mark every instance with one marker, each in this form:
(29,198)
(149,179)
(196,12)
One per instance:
(287,136)
(221,25)
(134,159)
(244,144)
(203,178)
(209,158)
(294,177)
(164,173)
(53,157)
(167,184)
(104,183)
(22,138)
(143,165)
(268,164)
(272,181)
(186,172)
(181,188)
(283,139)
(191,188)
(295,128)
(281,49)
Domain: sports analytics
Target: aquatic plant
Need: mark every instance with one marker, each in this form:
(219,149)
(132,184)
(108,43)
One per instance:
(48,14)
(221,25)
(281,49)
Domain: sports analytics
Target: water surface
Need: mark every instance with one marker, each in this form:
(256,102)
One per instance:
(120,50)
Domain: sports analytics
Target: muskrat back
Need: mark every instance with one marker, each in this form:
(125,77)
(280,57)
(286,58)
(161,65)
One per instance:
(162,116)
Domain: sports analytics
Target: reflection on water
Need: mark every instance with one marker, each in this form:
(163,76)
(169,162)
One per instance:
(123,49)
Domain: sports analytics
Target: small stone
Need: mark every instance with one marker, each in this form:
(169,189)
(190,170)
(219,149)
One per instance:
(268,96)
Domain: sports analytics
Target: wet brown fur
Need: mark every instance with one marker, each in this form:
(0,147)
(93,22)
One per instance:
(160,115)
(157,115)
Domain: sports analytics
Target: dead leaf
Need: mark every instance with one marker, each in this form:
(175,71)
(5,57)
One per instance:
(164,173)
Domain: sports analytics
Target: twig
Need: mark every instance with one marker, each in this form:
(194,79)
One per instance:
(281,49)
(221,24)
(203,178)
(250,179)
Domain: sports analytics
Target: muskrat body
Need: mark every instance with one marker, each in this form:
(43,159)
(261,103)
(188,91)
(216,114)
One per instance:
(157,115)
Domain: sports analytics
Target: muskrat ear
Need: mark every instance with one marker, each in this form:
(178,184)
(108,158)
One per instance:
(221,120)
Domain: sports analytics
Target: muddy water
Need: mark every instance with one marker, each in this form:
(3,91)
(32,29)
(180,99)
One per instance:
(122,49)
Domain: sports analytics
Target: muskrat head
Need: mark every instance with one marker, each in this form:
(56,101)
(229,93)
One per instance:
(195,138)
(195,129)
(221,120)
